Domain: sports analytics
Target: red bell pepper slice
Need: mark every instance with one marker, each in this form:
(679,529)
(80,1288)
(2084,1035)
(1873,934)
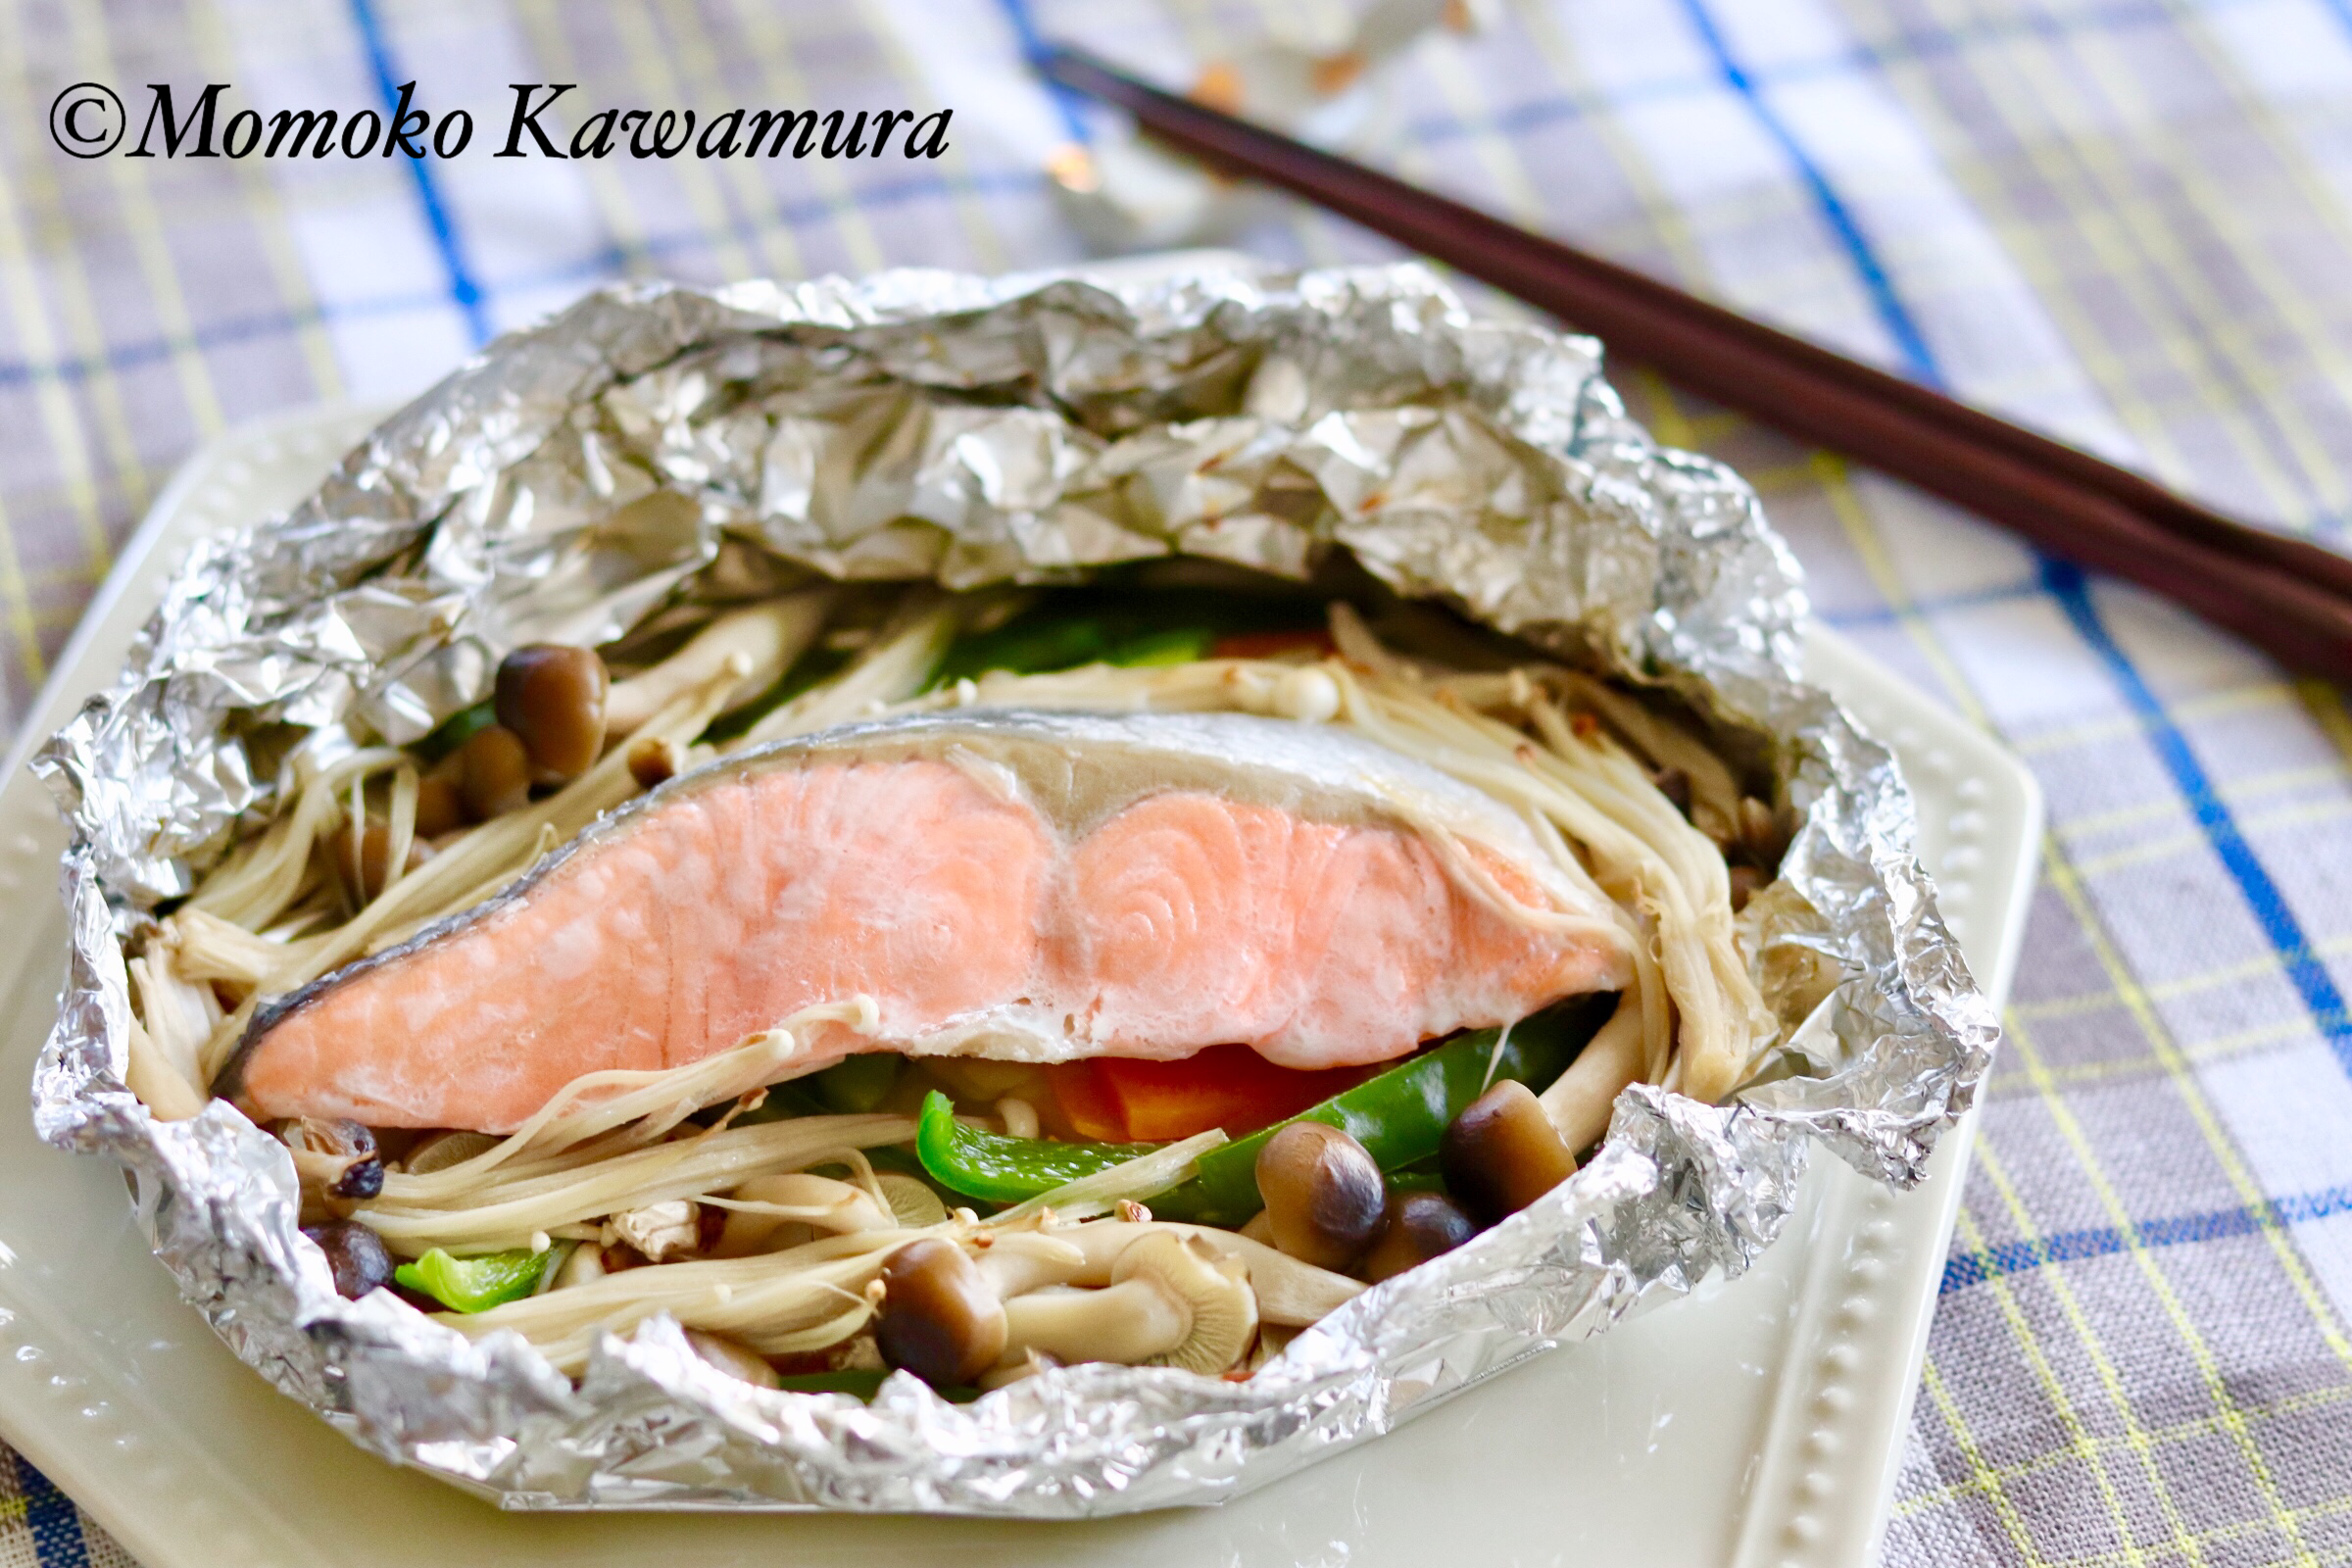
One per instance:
(1271,644)
(1086,1103)
(1233,1086)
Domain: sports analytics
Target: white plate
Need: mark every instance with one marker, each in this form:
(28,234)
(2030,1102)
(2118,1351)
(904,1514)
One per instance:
(1756,1423)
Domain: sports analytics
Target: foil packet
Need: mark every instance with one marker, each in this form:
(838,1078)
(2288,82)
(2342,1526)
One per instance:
(580,475)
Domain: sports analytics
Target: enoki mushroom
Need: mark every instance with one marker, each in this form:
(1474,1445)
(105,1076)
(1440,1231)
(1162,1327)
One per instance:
(1578,761)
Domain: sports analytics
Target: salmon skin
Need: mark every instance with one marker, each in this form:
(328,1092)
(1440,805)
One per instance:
(1010,884)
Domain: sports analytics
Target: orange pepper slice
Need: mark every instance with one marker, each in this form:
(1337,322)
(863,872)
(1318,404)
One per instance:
(1120,1100)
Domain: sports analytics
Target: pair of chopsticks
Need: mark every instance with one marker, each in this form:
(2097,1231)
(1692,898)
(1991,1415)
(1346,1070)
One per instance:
(2288,597)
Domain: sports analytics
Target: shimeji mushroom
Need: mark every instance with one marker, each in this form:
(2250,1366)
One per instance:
(335,1158)
(553,697)
(911,1200)
(1004,1374)
(1323,1194)
(367,866)
(1171,1302)
(1104,1290)
(494,773)
(736,1359)
(939,1319)
(1289,1290)
(1503,1152)
(353,1254)
(1022,1261)
(586,1266)
(655,759)
(444,1149)
(1418,1227)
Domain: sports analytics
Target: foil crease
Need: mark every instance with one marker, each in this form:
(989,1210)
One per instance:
(576,476)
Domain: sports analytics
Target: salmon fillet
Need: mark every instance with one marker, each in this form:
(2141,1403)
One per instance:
(1024,886)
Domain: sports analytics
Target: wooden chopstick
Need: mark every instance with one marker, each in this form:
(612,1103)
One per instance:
(2285,594)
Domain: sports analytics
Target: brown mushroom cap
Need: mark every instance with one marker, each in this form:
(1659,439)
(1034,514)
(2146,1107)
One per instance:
(1418,1227)
(939,1319)
(552,696)
(441,801)
(370,873)
(1503,1152)
(334,1158)
(655,760)
(1323,1194)
(495,775)
(355,1255)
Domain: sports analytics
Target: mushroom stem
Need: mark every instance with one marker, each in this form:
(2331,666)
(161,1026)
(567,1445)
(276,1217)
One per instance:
(736,1359)
(1004,1375)
(1026,1260)
(1130,1323)
(1171,1300)
(939,1320)
(1289,1292)
(893,667)
(1581,1100)
(771,636)
(763,1206)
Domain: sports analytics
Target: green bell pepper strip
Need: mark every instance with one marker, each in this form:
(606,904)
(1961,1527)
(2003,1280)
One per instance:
(862,1383)
(477,1284)
(856,1084)
(1003,1169)
(1028,645)
(1178,644)
(1042,645)
(1399,1116)
(1110,625)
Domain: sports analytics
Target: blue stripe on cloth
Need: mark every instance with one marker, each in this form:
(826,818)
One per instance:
(54,1523)
(1066,100)
(18,372)
(1893,314)
(461,287)
(2066,584)
(1956,37)
(1892,614)
(2310,977)
(1964,1269)
(216,334)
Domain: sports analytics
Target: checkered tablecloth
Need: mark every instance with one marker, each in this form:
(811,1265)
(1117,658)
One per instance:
(2129,222)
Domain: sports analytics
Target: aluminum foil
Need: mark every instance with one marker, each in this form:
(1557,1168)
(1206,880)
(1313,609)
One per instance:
(630,455)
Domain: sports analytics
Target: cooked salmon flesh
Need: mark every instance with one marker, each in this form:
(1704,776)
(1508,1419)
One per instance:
(1014,885)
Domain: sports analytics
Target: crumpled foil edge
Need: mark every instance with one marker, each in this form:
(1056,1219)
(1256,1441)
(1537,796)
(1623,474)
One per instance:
(1654,563)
